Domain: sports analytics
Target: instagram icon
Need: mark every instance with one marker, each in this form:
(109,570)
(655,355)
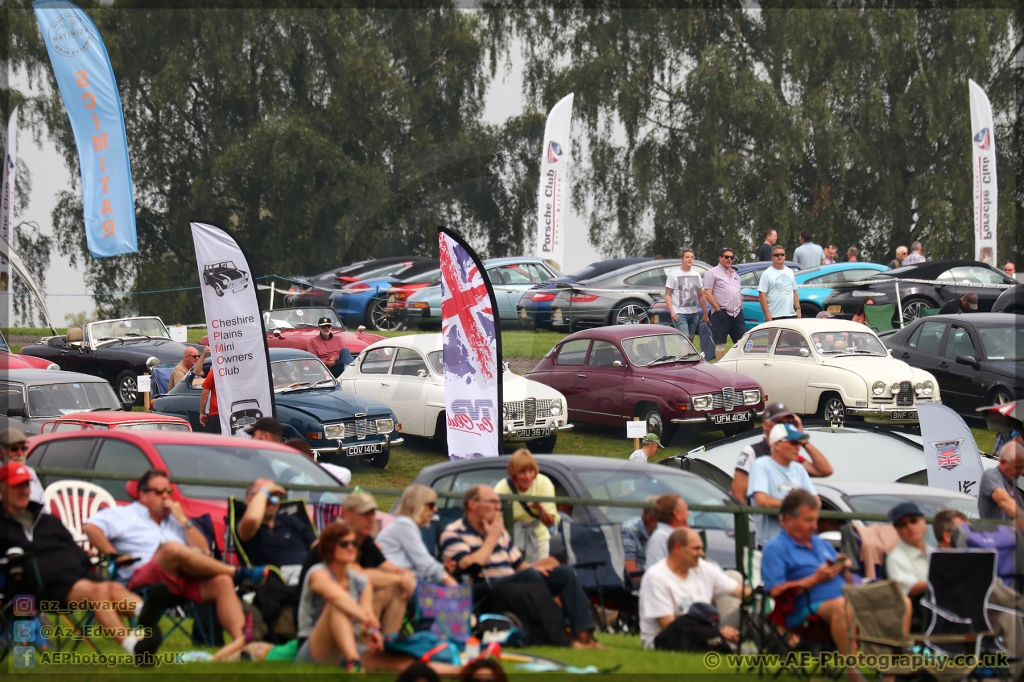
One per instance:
(24,606)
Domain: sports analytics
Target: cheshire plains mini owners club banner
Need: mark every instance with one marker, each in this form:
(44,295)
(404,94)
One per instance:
(87,86)
(472,352)
(238,345)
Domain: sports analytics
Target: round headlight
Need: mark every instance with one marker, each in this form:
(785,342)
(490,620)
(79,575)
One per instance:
(895,388)
(556,409)
(152,362)
(918,387)
(927,388)
(878,387)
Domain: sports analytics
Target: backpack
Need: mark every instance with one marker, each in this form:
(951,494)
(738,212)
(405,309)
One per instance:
(424,646)
(503,628)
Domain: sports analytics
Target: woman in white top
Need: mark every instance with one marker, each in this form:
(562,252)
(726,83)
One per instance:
(401,542)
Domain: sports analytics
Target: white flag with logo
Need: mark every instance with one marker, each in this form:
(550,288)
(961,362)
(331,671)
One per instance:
(7,216)
(950,453)
(554,183)
(238,345)
(986,192)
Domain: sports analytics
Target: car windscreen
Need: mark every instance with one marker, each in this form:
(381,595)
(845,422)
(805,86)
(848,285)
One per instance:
(1002,343)
(245,465)
(628,484)
(930,504)
(643,350)
(153,426)
(436,360)
(118,329)
(53,400)
(290,375)
(842,343)
(299,317)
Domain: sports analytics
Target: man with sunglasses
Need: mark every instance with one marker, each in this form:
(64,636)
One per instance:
(722,290)
(14,447)
(192,362)
(777,289)
(171,550)
(907,562)
(775,476)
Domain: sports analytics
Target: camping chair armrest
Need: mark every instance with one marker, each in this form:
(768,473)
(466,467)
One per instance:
(881,640)
(1005,609)
(952,639)
(948,615)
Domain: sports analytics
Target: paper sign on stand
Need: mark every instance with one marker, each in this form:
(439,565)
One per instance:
(179,333)
(636,429)
(144,383)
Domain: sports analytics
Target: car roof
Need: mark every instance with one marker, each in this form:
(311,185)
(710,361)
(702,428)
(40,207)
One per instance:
(978,319)
(619,332)
(814,324)
(505,260)
(761,265)
(168,438)
(853,488)
(424,343)
(116,417)
(32,377)
(931,269)
(571,462)
(281,353)
(841,267)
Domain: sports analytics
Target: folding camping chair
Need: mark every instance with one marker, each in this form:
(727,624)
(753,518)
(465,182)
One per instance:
(596,554)
(879,316)
(812,635)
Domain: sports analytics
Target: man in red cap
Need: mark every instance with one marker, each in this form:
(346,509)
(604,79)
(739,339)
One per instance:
(60,564)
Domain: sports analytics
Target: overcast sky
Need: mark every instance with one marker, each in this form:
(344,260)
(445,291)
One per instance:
(65,285)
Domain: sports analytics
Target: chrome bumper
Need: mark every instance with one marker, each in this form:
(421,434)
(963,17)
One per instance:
(343,450)
(510,434)
(708,419)
(880,413)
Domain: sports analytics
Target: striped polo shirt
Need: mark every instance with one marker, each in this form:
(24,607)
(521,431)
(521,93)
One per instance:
(460,539)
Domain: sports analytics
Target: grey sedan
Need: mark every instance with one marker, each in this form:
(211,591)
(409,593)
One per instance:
(31,397)
(619,297)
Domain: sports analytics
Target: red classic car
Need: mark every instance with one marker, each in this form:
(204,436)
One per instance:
(294,327)
(9,361)
(400,291)
(183,455)
(129,421)
(609,375)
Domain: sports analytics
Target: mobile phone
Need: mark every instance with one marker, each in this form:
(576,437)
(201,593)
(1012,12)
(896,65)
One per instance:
(839,559)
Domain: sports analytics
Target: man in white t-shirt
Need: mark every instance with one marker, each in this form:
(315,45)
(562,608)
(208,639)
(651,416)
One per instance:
(649,446)
(777,289)
(774,477)
(671,586)
(684,294)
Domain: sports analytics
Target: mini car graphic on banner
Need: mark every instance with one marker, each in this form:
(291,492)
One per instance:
(224,276)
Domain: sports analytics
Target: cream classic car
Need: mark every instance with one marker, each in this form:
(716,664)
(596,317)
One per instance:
(406,374)
(831,368)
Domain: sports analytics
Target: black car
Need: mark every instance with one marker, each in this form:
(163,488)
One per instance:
(225,276)
(316,290)
(602,478)
(955,278)
(117,350)
(1010,301)
(975,357)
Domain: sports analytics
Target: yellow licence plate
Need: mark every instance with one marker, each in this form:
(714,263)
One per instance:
(835,308)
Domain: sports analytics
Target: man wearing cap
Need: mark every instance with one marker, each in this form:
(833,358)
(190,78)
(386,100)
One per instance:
(773,477)
(58,562)
(775,413)
(266,429)
(968,303)
(907,563)
(14,446)
(329,348)
(192,362)
(648,447)
(392,586)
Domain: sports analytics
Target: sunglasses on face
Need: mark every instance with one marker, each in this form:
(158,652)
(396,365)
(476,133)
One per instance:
(726,257)
(159,491)
(345,544)
(903,523)
(18,447)
(431,505)
(778,255)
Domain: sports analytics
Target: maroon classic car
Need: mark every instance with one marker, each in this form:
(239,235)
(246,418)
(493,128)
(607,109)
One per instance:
(609,375)
(294,327)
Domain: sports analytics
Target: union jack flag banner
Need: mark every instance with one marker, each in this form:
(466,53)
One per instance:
(951,456)
(472,352)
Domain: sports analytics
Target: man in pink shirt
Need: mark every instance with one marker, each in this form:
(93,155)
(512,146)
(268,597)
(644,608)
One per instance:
(722,291)
(329,348)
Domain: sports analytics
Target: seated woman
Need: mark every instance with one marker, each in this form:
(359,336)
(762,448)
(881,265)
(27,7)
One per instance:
(336,621)
(524,477)
(401,541)
(860,315)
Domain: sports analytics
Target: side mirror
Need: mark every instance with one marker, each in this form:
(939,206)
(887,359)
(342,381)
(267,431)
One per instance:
(15,403)
(617,363)
(421,373)
(968,360)
(277,333)
(360,329)
(804,353)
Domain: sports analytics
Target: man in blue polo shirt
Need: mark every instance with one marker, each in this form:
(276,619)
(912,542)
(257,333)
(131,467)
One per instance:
(773,477)
(799,559)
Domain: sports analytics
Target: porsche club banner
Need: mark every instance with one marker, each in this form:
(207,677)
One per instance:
(7,215)
(950,454)
(472,352)
(87,86)
(17,266)
(986,193)
(238,344)
(554,183)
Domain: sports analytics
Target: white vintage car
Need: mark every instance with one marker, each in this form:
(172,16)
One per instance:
(831,368)
(406,374)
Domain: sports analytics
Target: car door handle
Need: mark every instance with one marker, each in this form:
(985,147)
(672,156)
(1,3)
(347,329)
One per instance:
(767,364)
(943,365)
(904,355)
(384,383)
(582,376)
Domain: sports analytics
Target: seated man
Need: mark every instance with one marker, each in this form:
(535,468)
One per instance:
(63,567)
(13,449)
(479,538)
(945,521)
(171,550)
(329,348)
(393,587)
(799,559)
(671,513)
(671,586)
(773,476)
(635,534)
(907,562)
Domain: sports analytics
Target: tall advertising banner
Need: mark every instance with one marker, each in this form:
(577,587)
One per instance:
(986,192)
(472,352)
(951,456)
(7,216)
(554,183)
(86,81)
(238,344)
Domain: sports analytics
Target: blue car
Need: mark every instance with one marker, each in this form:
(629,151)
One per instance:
(811,299)
(337,424)
(363,302)
(510,277)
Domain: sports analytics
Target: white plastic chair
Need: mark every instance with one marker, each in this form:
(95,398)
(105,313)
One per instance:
(75,502)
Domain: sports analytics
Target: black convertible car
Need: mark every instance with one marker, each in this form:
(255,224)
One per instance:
(975,357)
(955,278)
(117,350)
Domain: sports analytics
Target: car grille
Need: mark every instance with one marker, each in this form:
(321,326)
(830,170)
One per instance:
(727,399)
(524,412)
(360,428)
(905,398)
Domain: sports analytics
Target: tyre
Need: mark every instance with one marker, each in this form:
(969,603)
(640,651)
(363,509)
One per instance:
(543,446)
(1000,396)
(218,289)
(832,408)
(809,310)
(379,461)
(441,434)
(376,318)
(630,312)
(911,311)
(127,388)
(655,423)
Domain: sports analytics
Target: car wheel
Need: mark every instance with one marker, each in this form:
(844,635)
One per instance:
(380,461)
(218,289)
(630,312)
(127,389)
(832,408)
(654,422)
(378,320)
(809,310)
(441,433)
(911,311)
(543,446)
(1000,396)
